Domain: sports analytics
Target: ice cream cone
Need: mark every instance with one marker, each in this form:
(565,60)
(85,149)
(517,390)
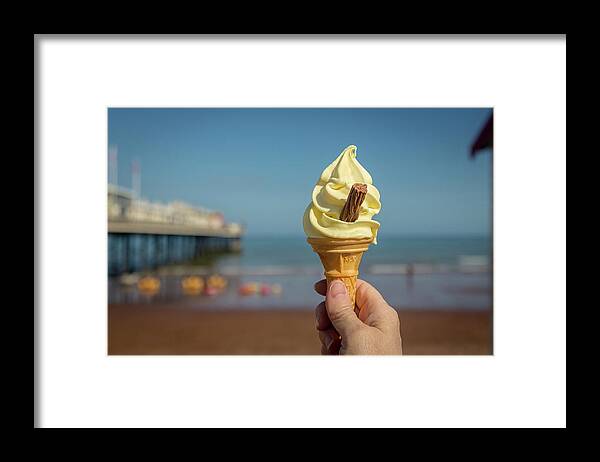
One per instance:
(341,259)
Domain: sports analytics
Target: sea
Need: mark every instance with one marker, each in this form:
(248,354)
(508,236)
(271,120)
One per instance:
(412,272)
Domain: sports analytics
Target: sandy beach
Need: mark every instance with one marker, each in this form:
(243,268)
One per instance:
(136,329)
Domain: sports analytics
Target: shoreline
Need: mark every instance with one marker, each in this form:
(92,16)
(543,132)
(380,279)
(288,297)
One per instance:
(169,329)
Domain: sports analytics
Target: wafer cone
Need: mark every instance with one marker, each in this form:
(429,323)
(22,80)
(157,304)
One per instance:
(341,259)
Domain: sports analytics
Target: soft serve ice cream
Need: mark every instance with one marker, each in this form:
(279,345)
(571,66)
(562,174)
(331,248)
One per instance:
(322,216)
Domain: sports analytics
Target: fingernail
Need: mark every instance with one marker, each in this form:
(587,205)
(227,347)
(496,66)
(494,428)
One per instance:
(337,288)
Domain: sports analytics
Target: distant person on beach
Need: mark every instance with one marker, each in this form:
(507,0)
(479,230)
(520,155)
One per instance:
(374,331)
(410,272)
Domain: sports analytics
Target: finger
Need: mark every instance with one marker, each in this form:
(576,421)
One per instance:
(321,287)
(341,309)
(322,321)
(327,337)
(330,341)
(374,310)
(326,352)
(367,296)
(335,348)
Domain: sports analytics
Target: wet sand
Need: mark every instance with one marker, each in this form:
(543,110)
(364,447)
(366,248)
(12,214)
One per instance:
(172,330)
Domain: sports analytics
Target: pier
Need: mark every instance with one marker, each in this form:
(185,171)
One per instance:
(143,235)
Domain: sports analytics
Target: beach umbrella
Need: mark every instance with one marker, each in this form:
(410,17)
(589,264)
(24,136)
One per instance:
(485,139)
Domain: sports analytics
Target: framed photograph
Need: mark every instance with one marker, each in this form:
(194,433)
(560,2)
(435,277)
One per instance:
(231,229)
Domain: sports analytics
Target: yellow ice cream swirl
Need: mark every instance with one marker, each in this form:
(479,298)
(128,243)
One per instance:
(321,218)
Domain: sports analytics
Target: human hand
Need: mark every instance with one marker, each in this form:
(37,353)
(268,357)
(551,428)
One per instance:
(375,331)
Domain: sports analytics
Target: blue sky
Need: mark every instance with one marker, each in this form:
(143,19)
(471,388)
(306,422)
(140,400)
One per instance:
(259,166)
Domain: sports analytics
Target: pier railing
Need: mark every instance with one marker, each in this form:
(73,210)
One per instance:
(139,227)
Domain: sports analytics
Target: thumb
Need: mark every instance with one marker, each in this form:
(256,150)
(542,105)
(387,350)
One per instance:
(340,309)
